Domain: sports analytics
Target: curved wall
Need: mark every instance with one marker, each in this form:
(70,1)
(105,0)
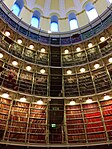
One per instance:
(27,12)
(57,39)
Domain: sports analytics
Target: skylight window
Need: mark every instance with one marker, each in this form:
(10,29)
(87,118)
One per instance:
(35,19)
(92,14)
(73,24)
(16,9)
(35,22)
(54,27)
(54,23)
(91,11)
(73,21)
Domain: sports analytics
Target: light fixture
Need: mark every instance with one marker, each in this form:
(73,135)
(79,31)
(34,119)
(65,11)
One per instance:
(82,70)
(49,32)
(42,71)
(7,33)
(31,46)
(110,60)
(43,50)
(69,72)
(23,99)
(40,102)
(14,63)
(89,101)
(78,49)
(90,45)
(5,95)
(28,68)
(72,103)
(102,39)
(1,55)
(96,66)
(19,41)
(66,51)
(53,125)
(106,97)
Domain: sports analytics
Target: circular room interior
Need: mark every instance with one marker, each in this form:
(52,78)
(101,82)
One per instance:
(55,74)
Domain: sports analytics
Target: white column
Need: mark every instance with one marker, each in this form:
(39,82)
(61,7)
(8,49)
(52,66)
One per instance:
(77,5)
(62,8)
(47,7)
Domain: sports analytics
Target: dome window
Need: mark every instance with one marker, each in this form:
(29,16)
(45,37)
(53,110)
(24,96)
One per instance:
(73,21)
(17,7)
(54,23)
(91,11)
(35,19)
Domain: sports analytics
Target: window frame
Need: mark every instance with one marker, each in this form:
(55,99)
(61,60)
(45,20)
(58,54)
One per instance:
(17,6)
(72,18)
(20,5)
(36,15)
(89,8)
(54,22)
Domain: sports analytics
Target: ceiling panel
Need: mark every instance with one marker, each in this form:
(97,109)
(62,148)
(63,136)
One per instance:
(54,5)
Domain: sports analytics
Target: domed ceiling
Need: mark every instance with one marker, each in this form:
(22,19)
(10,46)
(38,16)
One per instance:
(59,7)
